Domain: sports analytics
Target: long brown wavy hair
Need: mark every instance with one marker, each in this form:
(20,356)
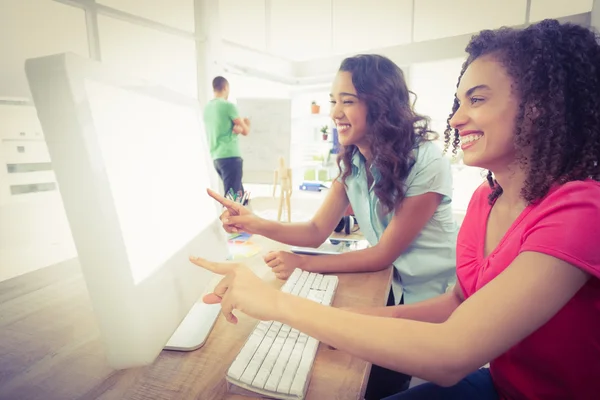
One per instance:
(394,129)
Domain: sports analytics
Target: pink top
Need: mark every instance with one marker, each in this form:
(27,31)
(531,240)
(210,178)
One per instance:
(562,358)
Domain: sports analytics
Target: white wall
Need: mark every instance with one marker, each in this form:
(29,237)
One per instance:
(542,9)
(312,29)
(438,19)
(145,52)
(244,22)
(34,231)
(320,28)
(33,227)
(439,29)
(34,28)
(358,25)
(595,16)
(249,86)
(301,30)
(435,84)
(175,13)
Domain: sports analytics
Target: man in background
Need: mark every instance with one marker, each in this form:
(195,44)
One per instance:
(223,126)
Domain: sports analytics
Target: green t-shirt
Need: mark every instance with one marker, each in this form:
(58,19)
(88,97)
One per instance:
(218,122)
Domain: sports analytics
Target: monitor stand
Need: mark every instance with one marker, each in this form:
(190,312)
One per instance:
(195,327)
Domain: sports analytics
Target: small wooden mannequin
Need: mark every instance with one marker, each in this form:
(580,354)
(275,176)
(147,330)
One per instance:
(283,176)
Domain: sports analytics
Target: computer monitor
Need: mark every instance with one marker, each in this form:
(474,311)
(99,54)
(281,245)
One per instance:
(132,164)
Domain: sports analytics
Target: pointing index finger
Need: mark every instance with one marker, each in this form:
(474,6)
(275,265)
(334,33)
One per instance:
(224,201)
(217,268)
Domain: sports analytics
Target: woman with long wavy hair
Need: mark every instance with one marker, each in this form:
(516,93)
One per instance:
(396,180)
(399,186)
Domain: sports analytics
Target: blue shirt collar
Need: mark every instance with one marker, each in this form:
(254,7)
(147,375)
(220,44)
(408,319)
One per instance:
(358,165)
(358,161)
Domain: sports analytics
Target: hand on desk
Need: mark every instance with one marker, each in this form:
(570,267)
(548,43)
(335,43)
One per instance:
(236,217)
(283,263)
(242,290)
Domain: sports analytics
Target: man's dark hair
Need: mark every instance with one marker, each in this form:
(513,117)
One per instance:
(219,84)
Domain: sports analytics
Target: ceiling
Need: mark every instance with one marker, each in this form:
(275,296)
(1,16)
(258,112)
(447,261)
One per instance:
(313,29)
(297,42)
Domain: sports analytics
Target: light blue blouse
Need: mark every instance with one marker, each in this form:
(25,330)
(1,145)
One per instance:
(428,266)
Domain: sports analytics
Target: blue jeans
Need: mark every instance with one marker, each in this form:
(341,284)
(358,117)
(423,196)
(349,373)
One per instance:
(477,385)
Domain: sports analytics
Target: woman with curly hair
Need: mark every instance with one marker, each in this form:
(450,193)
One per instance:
(527,108)
(396,180)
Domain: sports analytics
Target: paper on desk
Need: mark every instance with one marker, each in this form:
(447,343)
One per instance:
(239,237)
(240,249)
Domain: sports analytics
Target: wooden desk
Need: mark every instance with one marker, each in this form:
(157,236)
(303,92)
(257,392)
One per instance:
(50,347)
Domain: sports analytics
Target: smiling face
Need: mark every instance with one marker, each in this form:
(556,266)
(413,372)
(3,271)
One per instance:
(348,111)
(486,117)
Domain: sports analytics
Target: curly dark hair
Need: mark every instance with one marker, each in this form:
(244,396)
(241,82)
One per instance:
(395,130)
(555,69)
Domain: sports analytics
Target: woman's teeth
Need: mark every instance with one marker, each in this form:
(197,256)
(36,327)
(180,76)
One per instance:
(470,138)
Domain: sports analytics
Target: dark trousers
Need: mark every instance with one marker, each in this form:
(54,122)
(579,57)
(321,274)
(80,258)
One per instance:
(478,385)
(385,382)
(230,170)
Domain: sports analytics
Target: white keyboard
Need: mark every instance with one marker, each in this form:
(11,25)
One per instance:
(276,360)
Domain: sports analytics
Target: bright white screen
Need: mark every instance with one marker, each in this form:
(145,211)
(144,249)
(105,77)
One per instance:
(151,151)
